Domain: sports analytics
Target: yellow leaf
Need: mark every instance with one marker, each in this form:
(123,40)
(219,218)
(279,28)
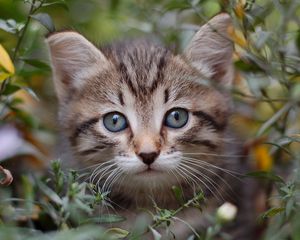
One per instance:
(262,157)
(239,10)
(5,61)
(237,37)
(4,75)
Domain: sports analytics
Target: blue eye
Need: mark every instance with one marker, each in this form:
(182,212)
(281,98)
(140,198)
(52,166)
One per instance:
(115,122)
(176,118)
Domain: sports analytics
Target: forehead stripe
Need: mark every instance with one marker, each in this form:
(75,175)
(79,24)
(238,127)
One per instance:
(125,77)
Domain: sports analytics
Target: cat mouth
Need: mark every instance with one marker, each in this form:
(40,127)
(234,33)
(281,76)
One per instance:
(149,171)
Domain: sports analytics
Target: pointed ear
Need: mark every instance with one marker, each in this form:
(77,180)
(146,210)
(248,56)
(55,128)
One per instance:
(73,60)
(210,50)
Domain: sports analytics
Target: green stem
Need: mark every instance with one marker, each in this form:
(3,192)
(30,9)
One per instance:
(196,198)
(20,40)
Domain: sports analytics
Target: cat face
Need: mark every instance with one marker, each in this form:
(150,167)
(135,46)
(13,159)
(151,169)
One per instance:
(137,112)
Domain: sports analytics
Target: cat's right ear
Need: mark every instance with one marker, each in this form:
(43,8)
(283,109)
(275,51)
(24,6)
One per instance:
(73,59)
(210,50)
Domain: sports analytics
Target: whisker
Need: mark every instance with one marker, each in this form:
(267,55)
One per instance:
(200,180)
(91,166)
(214,154)
(115,179)
(186,178)
(214,185)
(98,165)
(107,173)
(109,178)
(172,172)
(215,174)
(98,170)
(230,172)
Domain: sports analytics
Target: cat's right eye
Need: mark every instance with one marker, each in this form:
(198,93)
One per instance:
(115,122)
(176,118)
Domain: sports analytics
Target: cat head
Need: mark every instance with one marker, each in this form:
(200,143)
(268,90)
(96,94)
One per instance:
(139,111)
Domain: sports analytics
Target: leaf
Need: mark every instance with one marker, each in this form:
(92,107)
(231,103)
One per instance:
(274,118)
(173,5)
(117,233)
(239,10)
(83,206)
(178,194)
(280,147)
(249,66)
(156,234)
(298,40)
(290,206)
(263,159)
(10,89)
(5,61)
(106,218)
(61,3)
(45,20)
(271,212)
(37,63)
(265,175)
(8,25)
(4,75)
(49,193)
(262,38)
(31,93)
(237,37)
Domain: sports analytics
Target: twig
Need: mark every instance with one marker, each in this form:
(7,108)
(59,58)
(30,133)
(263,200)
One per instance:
(8,178)
(20,40)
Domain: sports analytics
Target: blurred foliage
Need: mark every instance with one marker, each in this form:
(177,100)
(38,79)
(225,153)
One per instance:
(266,95)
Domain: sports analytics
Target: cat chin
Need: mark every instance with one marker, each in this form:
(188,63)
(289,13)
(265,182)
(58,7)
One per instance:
(150,173)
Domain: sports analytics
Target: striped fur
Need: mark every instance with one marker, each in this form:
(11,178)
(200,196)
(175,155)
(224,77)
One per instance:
(143,81)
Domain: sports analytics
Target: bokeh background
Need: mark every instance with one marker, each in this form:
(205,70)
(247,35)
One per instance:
(266,95)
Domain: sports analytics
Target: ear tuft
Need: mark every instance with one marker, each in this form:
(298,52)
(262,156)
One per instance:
(73,57)
(210,50)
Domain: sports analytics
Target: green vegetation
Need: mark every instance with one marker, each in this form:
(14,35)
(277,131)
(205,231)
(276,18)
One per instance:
(266,95)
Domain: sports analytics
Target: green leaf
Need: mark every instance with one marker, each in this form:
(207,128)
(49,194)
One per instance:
(178,4)
(9,25)
(265,175)
(106,218)
(45,20)
(49,192)
(31,93)
(271,213)
(37,63)
(156,234)
(290,207)
(10,89)
(83,206)
(60,3)
(262,37)
(117,233)
(298,40)
(178,194)
(274,118)
(247,67)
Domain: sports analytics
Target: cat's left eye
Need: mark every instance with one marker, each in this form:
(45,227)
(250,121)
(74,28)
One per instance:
(176,118)
(115,122)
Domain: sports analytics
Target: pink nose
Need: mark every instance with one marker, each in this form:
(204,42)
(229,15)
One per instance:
(148,157)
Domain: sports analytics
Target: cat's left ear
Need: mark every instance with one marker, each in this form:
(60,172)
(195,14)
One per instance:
(74,59)
(210,50)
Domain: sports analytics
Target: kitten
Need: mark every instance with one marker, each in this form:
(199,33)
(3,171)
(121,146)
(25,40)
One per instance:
(144,119)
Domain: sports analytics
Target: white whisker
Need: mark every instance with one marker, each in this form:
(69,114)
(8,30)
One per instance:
(201,174)
(212,172)
(230,172)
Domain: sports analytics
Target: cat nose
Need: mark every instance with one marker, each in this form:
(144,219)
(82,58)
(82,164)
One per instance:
(148,157)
